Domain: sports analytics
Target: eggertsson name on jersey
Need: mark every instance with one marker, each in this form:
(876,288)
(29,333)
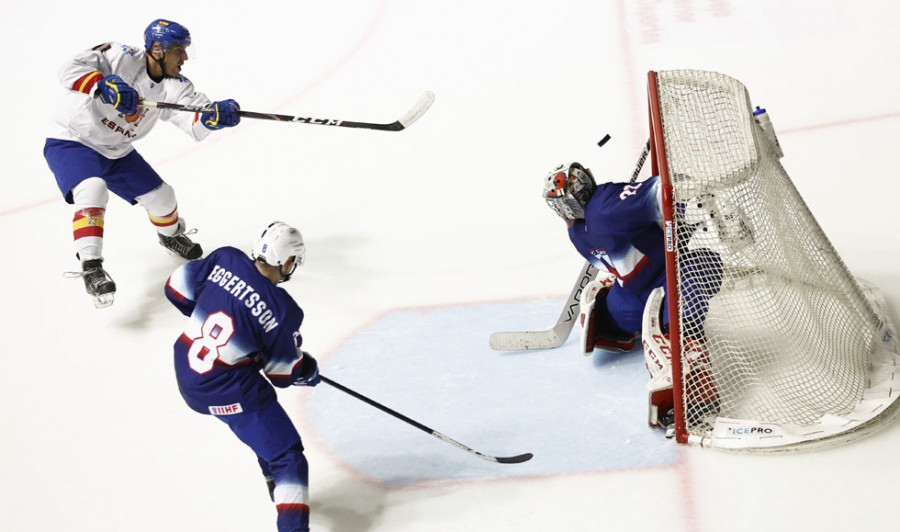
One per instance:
(244,293)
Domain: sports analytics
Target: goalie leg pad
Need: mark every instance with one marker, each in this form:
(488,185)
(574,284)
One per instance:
(702,394)
(594,333)
(658,358)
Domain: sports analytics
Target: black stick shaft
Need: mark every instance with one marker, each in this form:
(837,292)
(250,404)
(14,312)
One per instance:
(376,404)
(501,459)
(417,111)
(640,163)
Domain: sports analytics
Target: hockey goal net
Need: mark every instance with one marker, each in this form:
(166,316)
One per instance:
(776,346)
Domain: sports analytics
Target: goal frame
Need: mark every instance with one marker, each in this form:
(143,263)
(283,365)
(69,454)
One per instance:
(660,167)
(885,353)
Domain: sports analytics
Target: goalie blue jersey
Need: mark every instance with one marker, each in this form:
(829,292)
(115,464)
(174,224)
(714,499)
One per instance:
(621,233)
(240,323)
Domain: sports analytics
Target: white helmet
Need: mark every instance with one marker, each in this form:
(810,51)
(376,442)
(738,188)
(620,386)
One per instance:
(568,188)
(277,244)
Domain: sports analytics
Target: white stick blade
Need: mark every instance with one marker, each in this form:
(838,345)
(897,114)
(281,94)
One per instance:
(525,341)
(418,110)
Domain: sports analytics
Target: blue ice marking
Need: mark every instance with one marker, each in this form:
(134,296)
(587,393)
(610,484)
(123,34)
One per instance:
(575,413)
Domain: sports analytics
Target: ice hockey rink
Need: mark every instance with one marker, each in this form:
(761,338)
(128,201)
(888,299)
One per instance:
(420,244)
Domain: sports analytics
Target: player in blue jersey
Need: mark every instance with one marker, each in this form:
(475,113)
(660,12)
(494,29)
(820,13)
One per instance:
(618,228)
(242,323)
(90,146)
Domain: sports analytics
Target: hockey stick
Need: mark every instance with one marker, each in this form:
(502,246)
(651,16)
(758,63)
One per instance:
(640,163)
(557,336)
(500,459)
(404,122)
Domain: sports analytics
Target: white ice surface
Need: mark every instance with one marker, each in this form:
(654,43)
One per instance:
(443,217)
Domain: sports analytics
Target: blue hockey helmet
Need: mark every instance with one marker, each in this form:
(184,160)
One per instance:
(568,188)
(166,33)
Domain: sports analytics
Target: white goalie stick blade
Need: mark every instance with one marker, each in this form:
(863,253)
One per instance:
(418,110)
(555,337)
(525,341)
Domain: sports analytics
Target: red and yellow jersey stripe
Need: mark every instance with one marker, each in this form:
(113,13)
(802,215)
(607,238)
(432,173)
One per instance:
(87,82)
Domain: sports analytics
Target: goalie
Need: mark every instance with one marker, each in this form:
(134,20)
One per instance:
(618,228)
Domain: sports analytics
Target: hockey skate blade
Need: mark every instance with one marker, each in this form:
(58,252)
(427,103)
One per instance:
(104,300)
(525,341)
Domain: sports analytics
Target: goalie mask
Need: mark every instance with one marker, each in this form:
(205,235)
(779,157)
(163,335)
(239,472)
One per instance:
(277,245)
(567,190)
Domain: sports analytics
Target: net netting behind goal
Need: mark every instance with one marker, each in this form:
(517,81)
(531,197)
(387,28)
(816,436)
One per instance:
(776,344)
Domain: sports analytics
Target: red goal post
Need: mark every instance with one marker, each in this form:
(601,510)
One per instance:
(775,345)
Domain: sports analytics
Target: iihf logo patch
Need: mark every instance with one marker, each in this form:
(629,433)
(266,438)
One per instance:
(603,258)
(226,410)
(601,255)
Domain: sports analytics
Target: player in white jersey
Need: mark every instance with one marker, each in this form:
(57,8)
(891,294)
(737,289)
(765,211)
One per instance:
(90,151)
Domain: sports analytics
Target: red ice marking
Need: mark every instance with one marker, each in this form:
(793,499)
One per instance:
(27,207)
(841,123)
(337,67)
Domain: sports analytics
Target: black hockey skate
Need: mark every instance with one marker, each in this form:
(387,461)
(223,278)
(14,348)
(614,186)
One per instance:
(181,245)
(97,282)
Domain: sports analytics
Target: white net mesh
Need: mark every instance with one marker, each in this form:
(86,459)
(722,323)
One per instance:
(775,330)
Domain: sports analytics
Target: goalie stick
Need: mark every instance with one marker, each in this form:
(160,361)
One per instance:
(404,122)
(557,336)
(499,459)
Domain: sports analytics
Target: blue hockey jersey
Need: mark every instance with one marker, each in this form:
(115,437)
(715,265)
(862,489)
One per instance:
(240,323)
(621,233)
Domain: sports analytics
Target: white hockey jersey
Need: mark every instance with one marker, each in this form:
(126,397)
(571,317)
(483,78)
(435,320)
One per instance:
(85,119)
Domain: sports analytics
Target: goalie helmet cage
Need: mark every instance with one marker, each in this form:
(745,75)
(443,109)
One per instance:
(776,346)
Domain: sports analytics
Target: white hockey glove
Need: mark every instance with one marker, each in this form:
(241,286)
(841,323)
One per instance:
(721,225)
